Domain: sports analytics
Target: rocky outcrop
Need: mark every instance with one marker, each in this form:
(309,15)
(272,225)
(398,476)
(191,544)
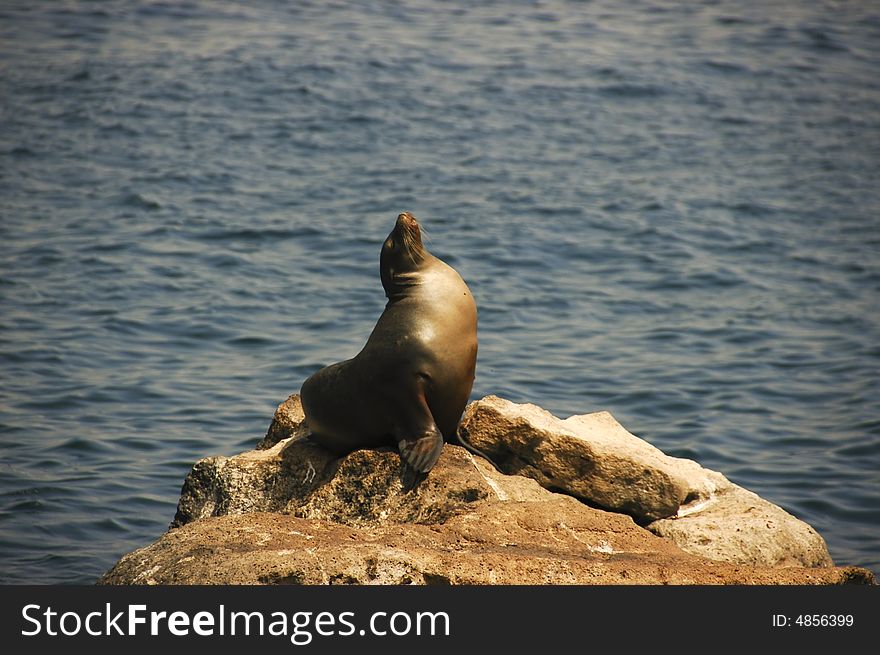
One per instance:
(736,525)
(288,417)
(291,512)
(465,524)
(365,488)
(593,458)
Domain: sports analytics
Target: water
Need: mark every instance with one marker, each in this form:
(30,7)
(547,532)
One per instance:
(666,210)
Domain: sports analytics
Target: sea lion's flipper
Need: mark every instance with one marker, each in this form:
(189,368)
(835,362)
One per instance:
(422,453)
(463,438)
(418,438)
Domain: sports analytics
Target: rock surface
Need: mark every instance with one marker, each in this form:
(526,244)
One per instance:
(590,457)
(291,512)
(471,525)
(288,417)
(736,525)
(593,458)
(364,488)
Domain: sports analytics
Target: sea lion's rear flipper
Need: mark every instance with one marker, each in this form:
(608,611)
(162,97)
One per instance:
(463,438)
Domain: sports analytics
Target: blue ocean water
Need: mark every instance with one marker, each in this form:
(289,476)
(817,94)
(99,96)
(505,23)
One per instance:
(668,210)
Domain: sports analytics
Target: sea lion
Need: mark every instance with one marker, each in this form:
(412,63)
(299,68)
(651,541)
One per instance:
(410,383)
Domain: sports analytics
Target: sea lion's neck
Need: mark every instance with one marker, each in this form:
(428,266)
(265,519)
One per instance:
(406,284)
(403,285)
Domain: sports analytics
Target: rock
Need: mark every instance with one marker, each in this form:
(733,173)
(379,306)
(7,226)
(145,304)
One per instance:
(593,458)
(291,512)
(471,525)
(563,543)
(590,457)
(287,420)
(364,488)
(736,525)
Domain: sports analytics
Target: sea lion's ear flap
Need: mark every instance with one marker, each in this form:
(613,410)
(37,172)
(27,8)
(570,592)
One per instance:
(422,453)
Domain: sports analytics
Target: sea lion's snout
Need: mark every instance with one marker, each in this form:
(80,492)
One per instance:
(408,227)
(407,219)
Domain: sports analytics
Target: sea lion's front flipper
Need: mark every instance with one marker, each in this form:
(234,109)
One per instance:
(418,438)
(422,452)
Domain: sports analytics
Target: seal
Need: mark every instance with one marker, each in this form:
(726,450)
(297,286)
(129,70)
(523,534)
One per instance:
(410,383)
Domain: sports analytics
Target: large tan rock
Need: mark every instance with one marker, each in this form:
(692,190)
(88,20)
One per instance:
(364,488)
(471,525)
(562,542)
(291,512)
(736,525)
(593,458)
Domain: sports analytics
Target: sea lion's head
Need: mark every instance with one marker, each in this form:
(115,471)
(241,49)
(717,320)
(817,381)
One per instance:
(402,255)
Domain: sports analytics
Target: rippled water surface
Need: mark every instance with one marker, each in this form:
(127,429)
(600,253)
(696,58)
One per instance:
(668,210)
